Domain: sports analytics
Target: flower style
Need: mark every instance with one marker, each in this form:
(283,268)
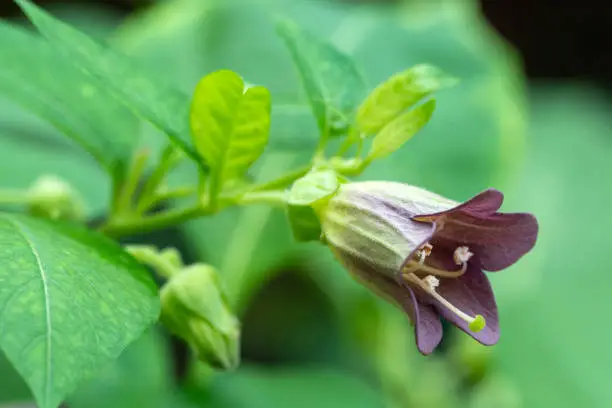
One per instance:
(426,253)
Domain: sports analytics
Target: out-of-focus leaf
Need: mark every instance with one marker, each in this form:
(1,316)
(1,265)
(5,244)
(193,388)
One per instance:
(398,93)
(332,82)
(150,97)
(230,126)
(36,76)
(67,313)
(44,158)
(140,377)
(553,302)
(400,130)
(254,387)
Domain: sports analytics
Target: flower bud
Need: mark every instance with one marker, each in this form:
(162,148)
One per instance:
(52,197)
(195,309)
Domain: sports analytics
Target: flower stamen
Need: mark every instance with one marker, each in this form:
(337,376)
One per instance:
(461,256)
(429,285)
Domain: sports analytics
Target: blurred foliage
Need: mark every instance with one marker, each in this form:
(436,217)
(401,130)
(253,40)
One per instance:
(324,339)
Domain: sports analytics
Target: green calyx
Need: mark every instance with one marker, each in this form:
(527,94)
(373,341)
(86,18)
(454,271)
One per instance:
(307,198)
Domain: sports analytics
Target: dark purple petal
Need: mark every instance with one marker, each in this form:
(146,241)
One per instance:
(499,239)
(427,325)
(482,204)
(472,294)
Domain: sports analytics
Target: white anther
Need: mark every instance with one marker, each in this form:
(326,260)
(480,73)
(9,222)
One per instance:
(432,282)
(461,255)
(424,252)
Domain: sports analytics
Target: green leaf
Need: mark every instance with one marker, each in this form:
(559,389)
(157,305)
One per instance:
(34,75)
(158,102)
(71,301)
(332,82)
(400,130)
(230,126)
(397,94)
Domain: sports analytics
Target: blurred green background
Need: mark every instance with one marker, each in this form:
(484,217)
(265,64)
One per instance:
(311,336)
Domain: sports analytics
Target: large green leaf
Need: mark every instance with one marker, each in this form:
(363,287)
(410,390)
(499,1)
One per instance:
(152,98)
(230,125)
(333,84)
(36,76)
(71,301)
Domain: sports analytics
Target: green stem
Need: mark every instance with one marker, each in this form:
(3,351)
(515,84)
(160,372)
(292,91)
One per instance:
(149,202)
(283,181)
(168,160)
(348,142)
(137,225)
(148,255)
(14,196)
(126,193)
(131,226)
(276,198)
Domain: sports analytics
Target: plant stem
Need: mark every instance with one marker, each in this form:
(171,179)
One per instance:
(126,193)
(138,225)
(146,203)
(13,196)
(277,198)
(148,255)
(283,181)
(168,160)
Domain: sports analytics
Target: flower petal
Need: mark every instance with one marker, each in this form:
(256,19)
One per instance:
(482,204)
(499,239)
(374,228)
(428,328)
(472,294)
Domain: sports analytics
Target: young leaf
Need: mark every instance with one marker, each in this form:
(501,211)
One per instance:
(400,130)
(71,301)
(399,93)
(306,192)
(230,127)
(34,75)
(332,82)
(158,102)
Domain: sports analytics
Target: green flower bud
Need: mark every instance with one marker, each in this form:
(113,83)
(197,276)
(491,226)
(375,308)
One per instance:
(195,309)
(53,198)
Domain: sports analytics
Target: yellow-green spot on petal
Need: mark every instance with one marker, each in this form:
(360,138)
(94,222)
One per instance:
(477,324)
